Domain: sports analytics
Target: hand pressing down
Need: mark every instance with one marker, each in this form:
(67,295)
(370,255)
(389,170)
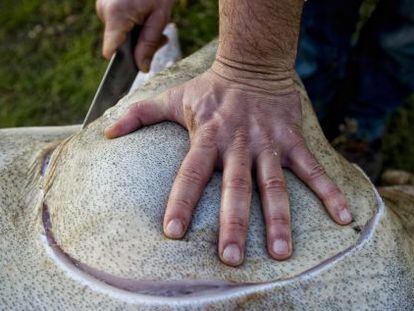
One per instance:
(238,125)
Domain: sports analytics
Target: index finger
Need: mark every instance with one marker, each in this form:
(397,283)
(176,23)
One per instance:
(187,189)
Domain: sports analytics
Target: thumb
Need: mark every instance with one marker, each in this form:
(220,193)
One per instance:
(140,114)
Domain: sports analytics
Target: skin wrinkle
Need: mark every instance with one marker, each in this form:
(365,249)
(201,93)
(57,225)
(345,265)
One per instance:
(270,35)
(254,64)
(264,73)
(254,86)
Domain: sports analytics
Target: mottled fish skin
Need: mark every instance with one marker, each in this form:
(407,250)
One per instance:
(106,199)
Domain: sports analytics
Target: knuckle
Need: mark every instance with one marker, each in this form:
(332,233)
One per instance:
(163,16)
(294,144)
(239,183)
(264,146)
(274,183)
(296,141)
(290,130)
(183,203)
(137,112)
(240,140)
(206,137)
(238,148)
(136,108)
(151,36)
(279,220)
(335,193)
(235,223)
(150,43)
(316,171)
(190,175)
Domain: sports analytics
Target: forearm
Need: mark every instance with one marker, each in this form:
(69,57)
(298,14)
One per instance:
(259,36)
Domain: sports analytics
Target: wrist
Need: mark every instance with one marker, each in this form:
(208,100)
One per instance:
(256,76)
(271,60)
(261,33)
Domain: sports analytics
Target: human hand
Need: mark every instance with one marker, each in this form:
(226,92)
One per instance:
(120,16)
(237,122)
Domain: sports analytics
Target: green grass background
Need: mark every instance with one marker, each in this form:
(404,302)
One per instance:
(50,64)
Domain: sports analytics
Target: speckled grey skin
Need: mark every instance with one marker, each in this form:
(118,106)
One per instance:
(106,201)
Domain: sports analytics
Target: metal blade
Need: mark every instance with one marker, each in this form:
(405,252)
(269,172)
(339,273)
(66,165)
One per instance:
(117,80)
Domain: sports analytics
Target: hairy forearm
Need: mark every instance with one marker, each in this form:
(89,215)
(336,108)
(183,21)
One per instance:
(259,35)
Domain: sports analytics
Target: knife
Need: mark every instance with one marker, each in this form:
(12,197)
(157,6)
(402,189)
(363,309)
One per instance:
(117,80)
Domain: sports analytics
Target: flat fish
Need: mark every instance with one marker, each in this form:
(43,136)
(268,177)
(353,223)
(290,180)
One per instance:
(81,221)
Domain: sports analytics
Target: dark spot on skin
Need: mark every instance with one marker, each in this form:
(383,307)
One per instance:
(357,228)
(189,117)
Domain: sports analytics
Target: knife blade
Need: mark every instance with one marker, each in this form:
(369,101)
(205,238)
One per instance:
(117,80)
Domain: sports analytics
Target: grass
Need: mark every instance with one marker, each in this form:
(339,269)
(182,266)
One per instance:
(50,64)
(50,60)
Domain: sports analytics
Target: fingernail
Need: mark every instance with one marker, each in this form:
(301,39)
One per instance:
(232,254)
(174,229)
(345,215)
(280,247)
(146,64)
(108,131)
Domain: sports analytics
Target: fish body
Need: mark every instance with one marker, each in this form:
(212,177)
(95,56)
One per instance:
(81,226)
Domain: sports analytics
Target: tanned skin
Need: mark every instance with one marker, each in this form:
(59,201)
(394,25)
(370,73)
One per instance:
(243,116)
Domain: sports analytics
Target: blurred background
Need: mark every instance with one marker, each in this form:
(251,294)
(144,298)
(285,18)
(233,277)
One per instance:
(51,64)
